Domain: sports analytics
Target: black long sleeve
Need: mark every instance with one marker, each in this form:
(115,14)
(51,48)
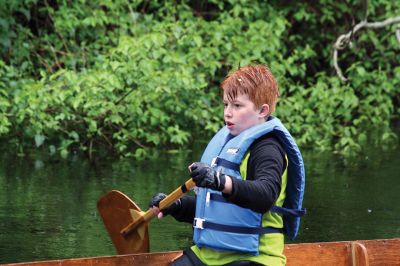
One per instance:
(264,176)
(187,211)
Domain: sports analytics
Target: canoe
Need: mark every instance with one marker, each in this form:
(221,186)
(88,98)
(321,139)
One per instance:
(360,253)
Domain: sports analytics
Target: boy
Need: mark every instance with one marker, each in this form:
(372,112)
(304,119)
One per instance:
(249,170)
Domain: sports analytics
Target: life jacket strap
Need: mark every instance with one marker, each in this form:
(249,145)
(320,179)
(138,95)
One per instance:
(203,224)
(276,209)
(226,164)
(288,212)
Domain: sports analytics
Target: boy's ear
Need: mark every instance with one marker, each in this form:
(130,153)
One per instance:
(264,111)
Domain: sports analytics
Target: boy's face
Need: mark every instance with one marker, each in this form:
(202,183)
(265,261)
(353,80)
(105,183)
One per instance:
(241,114)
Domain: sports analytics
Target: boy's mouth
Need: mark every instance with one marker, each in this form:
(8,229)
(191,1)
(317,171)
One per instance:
(229,124)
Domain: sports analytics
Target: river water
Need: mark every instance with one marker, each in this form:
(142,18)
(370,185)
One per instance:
(48,206)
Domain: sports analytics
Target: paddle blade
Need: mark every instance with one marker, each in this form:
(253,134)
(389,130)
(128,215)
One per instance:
(116,211)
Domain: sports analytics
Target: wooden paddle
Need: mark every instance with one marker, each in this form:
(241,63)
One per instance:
(127,224)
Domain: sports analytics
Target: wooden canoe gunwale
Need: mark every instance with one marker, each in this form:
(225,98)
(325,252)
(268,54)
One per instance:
(354,253)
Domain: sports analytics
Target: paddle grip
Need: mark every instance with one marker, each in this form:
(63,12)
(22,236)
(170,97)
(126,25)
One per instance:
(176,194)
(149,214)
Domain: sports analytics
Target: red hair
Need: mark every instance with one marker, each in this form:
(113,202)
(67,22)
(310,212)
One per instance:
(255,81)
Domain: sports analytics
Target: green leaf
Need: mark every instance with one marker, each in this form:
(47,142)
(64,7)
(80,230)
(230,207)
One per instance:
(39,139)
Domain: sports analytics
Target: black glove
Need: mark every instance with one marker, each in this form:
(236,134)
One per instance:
(205,176)
(173,209)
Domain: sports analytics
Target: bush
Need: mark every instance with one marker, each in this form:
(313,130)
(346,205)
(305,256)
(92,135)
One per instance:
(125,77)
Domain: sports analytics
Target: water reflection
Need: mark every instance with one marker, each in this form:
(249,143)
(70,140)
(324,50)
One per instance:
(48,208)
(353,202)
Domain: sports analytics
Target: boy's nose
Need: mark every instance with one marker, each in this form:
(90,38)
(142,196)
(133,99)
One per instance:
(227,112)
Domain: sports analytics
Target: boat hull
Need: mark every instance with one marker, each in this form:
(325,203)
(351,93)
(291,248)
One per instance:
(360,252)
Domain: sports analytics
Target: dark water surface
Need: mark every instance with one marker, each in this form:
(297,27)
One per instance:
(48,207)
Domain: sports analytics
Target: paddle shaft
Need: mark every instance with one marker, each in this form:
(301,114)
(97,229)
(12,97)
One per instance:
(149,214)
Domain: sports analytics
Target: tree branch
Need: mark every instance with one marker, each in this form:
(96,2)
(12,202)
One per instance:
(345,39)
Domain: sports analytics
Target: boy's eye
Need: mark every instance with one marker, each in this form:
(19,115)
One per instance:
(233,105)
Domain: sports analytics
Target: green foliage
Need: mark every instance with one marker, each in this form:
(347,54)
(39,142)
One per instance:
(126,76)
(7,74)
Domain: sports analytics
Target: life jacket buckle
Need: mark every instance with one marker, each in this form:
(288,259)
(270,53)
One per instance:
(198,223)
(214,161)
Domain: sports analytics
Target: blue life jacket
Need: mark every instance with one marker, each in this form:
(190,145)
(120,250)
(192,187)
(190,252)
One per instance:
(224,226)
